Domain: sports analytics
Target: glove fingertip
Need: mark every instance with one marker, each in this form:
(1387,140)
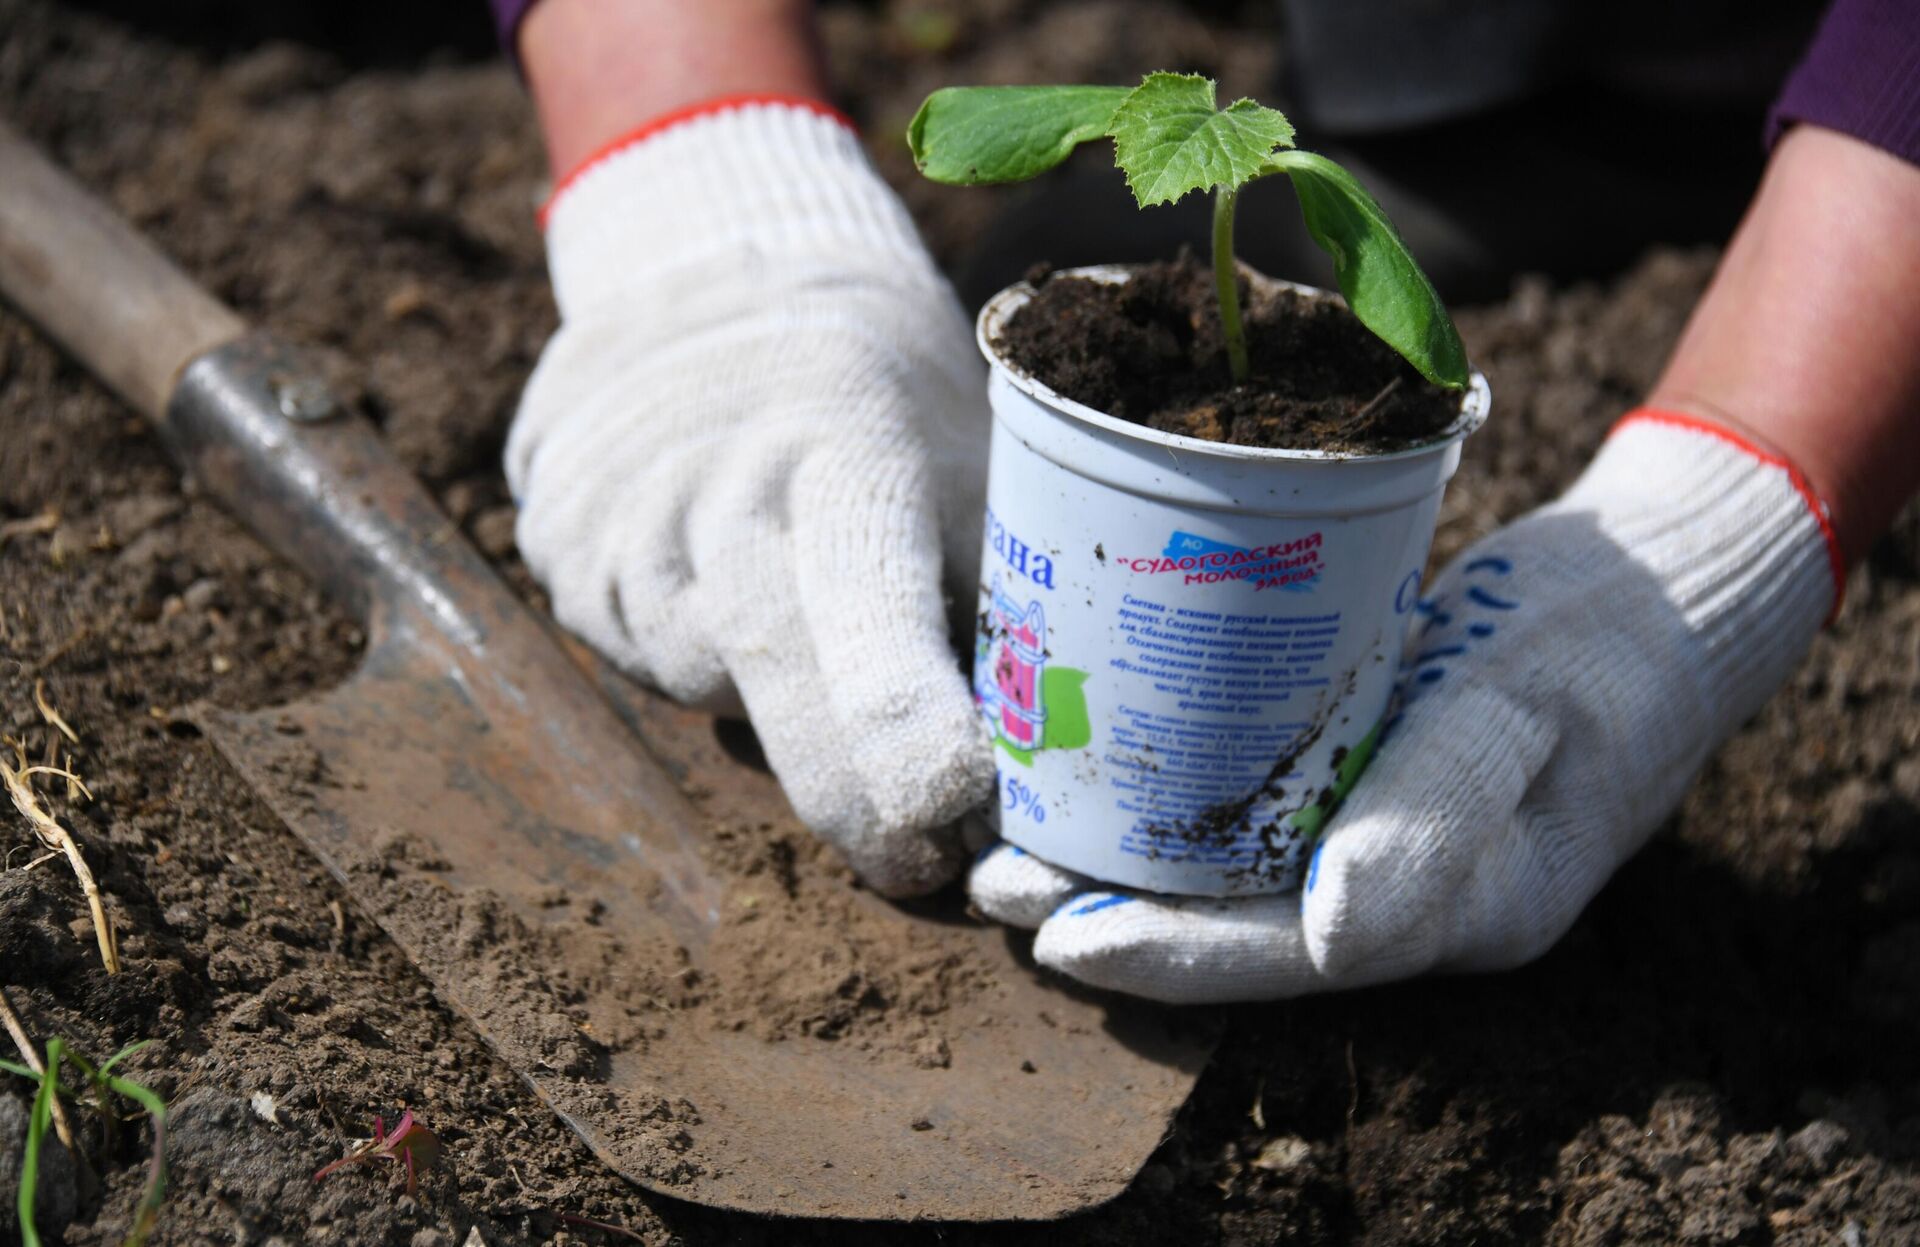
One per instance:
(929,760)
(1113,940)
(1366,918)
(1010,885)
(903,865)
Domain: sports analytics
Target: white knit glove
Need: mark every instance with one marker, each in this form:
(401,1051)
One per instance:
(745,457)
(1573,672)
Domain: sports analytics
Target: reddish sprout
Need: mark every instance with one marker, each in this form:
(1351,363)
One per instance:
(409,1143)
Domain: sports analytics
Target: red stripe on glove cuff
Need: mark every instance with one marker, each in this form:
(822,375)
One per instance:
(1836,562)
(666,121)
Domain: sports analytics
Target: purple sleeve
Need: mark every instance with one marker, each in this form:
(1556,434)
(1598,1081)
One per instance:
(1861,76)
(507,16)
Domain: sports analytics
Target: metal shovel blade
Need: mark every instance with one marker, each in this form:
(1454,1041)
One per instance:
(443,815)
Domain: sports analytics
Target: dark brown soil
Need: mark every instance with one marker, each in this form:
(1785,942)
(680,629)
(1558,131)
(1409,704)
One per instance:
(1151,350)
(1721,1051)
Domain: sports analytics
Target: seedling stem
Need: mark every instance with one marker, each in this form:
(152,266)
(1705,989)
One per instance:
(1227,283)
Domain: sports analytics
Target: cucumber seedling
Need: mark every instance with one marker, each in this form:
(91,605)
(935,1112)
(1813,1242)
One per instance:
(1171,138)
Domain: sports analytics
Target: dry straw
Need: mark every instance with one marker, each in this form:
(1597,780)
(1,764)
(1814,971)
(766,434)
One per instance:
(18,778)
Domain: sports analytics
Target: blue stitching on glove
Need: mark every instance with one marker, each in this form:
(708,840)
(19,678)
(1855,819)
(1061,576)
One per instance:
(1424,669)
(1097,904)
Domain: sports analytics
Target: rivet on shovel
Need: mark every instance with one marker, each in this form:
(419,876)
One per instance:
(303,399)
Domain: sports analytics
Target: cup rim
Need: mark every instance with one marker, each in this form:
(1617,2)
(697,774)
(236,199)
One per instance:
(1474,400)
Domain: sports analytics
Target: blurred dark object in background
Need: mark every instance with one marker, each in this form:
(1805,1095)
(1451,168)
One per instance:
(1562,137)
(1367,67)
(359,32)
(1502,136)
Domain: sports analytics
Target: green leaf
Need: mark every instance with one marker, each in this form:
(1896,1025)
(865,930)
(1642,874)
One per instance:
(1383,285)
(1170,138)
(38,1119)
(122,1055)
(147,1214)
(8,1067)
(964,136)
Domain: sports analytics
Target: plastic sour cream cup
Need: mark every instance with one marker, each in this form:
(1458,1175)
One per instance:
(1185,647)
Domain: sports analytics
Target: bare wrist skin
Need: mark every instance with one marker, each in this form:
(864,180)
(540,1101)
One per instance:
(1808,339)
(600,68)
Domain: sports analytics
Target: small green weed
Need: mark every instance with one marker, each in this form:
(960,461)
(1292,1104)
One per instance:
(103,1086)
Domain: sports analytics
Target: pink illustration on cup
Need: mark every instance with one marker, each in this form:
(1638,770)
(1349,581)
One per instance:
(1017,657)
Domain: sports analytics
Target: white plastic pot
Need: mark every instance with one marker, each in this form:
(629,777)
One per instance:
(1186,647)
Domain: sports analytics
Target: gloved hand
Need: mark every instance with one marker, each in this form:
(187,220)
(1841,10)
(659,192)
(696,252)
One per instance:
(745,457)
(1572,673)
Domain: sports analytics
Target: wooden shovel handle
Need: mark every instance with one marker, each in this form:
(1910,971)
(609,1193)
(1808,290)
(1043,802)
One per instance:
(96,287)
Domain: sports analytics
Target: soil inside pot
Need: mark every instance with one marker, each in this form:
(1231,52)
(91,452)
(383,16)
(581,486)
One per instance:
(1151,350)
